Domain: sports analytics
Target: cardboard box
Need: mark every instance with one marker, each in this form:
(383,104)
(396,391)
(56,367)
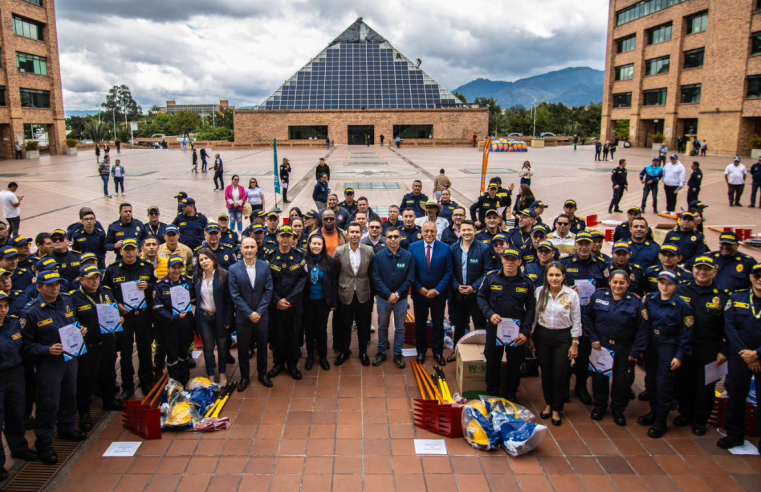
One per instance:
(471,370)
(660,231)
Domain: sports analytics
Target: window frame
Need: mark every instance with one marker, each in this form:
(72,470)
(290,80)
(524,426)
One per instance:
(319,131)
(38,3)
(754,35)
(690,52)
(663,91)
(35,60)
(40,27)
(689,23)
(620,43)
(617,96)
(401,130)
(649,62)
(3,96)
(617,70)
(756,80)
(37,93)
(649,33)
(699,88)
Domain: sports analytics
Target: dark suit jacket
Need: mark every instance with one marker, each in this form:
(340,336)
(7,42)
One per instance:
(329,283)
(439,276)
(222,300)
(479,263)
(249,299)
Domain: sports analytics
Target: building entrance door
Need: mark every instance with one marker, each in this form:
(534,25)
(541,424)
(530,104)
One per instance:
(358,134)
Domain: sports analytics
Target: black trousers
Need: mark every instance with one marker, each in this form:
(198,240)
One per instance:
(618,384)
(138,329)
(694,396)
(617,195)
(247,334)
(348,313)
(56,398)
(738,387)
(661,378)
(30,383)
(755,187)
(285,335)
(176,336)
(670,197)
(552,348)
(650,188)
(315,320)
(97,369)
(693,195)
(218,176)
(493,354)
(735,192)
(581,367)
(12,410)
(462,309)
(14,225)
(421,307)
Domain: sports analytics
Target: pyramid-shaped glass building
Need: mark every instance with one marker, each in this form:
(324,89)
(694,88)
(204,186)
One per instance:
(360,69)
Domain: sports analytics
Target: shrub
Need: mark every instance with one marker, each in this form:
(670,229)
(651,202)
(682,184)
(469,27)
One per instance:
(32,145)
(755,142)
(72,143)
(659,138)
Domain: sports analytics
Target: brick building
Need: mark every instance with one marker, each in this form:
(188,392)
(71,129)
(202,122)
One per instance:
(201,109)
(684,67)
(358,88)
(31,101)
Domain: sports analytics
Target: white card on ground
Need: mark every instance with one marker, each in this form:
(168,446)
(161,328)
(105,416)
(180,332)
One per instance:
(714,371)
(409,352)
(121,449)
(197,353)
(430,446)
(746,448)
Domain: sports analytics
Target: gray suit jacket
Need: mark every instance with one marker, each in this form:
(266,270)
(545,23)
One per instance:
(348,283)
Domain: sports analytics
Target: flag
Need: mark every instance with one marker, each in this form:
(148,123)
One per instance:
(485,163)
(277,174)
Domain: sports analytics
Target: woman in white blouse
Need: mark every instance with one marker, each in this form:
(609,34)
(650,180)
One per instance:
(555,337)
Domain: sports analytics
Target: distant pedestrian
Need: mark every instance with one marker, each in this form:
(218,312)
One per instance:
(475,140)
(11,208)
(195,163)
(184,144)
(321,192)
(693,184)
(367,140)
(673,180)
(575,141)
(204,156)
(734,175)
(398,142)
(327,141)
(383,138)
(612,149)
(755,172)
(605,149)
(255,196)
(525,173)
(219,172)
(620,184)
(104,170)
(322,168)
(118,173)
(106,149)
(285,173)
(18,150)
(598,150)
(703,148)
(662,152)
(235,198)
(441,183)
(118,144)
(97,153)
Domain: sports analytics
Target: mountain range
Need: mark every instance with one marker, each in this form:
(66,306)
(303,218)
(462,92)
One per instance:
(574,86)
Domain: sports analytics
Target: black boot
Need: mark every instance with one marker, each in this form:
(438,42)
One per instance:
(85,422)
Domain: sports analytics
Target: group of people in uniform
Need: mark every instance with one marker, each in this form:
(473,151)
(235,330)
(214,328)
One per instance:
(673,308)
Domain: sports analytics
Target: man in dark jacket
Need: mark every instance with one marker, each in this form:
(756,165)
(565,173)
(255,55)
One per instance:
(191,224)
(620,184)
(321,191)
(124,228)
(415,199)
(755,171)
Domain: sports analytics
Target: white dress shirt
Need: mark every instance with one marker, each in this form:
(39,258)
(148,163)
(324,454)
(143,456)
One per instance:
(251,270)
(561,312)
(355,258)
(673,174)
(736,174)
(207,293)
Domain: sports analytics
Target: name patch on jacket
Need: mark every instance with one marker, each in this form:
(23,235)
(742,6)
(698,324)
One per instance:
(522,290)
(86,307)
(572,270)
(495,287)
(401,265)
(742,305)
(600,301)
(45,322)
(16,336)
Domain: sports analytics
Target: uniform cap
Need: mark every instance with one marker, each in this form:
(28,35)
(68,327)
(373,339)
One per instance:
(285,231)
(597,234)
(499,237)
(89,270)
(171,229)
(688,215)
(181,194)
(495,179)
(8,252)
(153,208)
(349,191)
(211,227)
(619,246)
(668,275)
(698,204)
(756,268)
(539,228)
(176,260)
(45,264)
(728,237)
(3,271)
(48,278)
(705,261)
(539,204)
(529,212)
(260,213)
(223,217)
(491,211)
(188,201)
(129,243)
(20,241)
(310,214)
(546,245)
(583,236)
(3,296)
(272,214)
(511,253)
(257,228)
(671,249)
(58,232)
(736,159)
(634,209)
(87,257)
(493,186)
(570,203)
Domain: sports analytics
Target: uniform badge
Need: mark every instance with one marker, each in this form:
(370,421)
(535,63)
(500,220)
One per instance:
(715,300)
(729,304)
(227,257)
(22,322)
(644,314)
(740,268)
(689,321)
(693,239)
(632,277)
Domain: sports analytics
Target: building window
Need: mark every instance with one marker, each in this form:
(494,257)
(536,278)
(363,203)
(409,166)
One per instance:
(38,133)
(413,131)
(623,100)
(2,95)
(659,34)
(655,97)
(690,94)
(27,28)
(33,98)
(31,64)
(625,72)
(626,44)
(754,87)
(641,9)
(307,132)
(755,42)
(694,58)
(697,23)
(657,66)
(35,2)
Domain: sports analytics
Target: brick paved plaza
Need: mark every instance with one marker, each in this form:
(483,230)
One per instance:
(350,428)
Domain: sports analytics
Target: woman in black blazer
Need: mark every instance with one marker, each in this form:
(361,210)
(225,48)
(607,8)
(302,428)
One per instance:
(214,311)
(320,298)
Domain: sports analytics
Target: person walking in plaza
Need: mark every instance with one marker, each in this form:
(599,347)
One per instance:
(322,168)
(12,208)
(526,173)
(104,170)
(285,173)
(97,152)
(575,142)
(219,173)
(694,183)
(235,199)
(620,184)
(649,177)
(194,169)
(598,150)
(734,175)
(320,193)
(17,146)
(673,180)
(118,173)
(605,148)
(118,144)
(214,312)
(204,156)
(320,299)
(612,149)
(441,183)
(555,337)
(662,153)
(755,172)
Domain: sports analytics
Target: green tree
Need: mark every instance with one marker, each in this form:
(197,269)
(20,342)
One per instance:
(184,122)
(208,132)
(495,112)
(77,125)
(461,97)
(227,118)
(95,130)
(119,99)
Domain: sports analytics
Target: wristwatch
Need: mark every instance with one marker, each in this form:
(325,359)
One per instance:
(575,342)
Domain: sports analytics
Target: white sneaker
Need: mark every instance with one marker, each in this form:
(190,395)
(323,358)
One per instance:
(222,380)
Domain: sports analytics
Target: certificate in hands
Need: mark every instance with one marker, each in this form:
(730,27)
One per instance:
(586,289)
(133,296)
(72,341)
(109,318)
(508,331)
(180,299)
(601,361)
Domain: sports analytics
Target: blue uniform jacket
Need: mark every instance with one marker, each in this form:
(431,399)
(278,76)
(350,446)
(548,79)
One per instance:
(613,322)
(644,254)
(439,276)
(742,328)
(448,210)
(509,297)
(94,242)
(651,277)
(191,229)
(410,236)
(155,231)
(577,225)
(40,322)
(479,264)
(619,177)
(320,192)
(590,269)
(668,322)
(225,254)
(691,244)
(10,343)
(733,271)
(22,278)
(535,272)
(118,231)
(162,298)
(87,312)
(415,203)
(393,273)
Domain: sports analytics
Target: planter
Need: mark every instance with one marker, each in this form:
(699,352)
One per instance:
(32,154)
(656,146)
(755,153)
(537,143)
(71,151)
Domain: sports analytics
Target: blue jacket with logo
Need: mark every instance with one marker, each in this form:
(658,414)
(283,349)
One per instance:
(393,273)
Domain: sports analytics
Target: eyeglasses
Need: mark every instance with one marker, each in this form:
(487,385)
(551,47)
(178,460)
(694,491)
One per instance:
(544,251)
(756,276)
(328,219)
(58,239)
(393,238)
(88,219)
(563,224)
(375,227)
(539,235)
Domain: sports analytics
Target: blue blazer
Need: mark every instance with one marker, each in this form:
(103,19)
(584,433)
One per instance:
(439,276)
(479,264)
(246,299)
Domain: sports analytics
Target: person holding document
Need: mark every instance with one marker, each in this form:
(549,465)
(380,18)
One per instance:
(131,281)
(97,368)
(694,394)
(555,337)
(612,321)
(506,298)
(173,299)
(40,322)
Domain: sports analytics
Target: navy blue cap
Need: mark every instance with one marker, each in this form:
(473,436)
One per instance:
(257,228)
(212,227)
(669,276)
(188,201)
(8,252)
(180,195)
(698,205)
(511,253)
(539,204)
(171,229)
(20,241)
(49,278)
(89,271)
(175,260)
(45,264)
(621,246)
(528,212)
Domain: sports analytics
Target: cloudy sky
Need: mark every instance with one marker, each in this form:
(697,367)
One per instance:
(242,50)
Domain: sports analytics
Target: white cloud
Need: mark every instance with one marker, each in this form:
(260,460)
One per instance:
(200,50)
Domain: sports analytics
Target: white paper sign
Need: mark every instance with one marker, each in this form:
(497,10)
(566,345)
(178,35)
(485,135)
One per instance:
(72,341)
(121,449)
(180,299)
(430,446)
(507,332)
(601,361)
(586,289)
(133,296)
(409,352)
(714,371)
(746,448)
(197,353)
(109,318)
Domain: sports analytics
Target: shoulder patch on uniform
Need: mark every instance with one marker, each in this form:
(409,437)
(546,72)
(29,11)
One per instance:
(689,321)
(644,314)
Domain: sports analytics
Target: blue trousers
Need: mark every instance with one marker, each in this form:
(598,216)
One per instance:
(105,179)
(12,410)
(117,183)
(660,379)
(385,309)
(646,191)
(56,398)
(738,387)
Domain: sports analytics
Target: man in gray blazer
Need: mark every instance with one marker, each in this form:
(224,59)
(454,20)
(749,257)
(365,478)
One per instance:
(355,266)
(251,291)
